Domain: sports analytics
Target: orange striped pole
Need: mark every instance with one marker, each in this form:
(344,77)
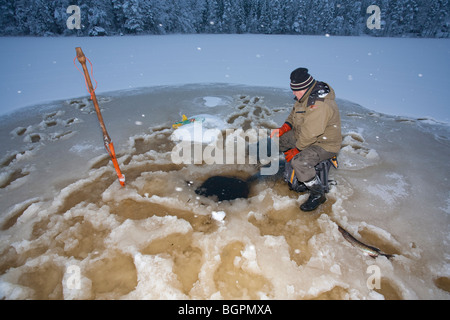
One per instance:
(106,138)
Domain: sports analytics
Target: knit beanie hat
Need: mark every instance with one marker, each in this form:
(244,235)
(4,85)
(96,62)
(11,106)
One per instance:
(301,79)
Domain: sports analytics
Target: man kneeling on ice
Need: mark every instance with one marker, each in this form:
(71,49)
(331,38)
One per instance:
(311,134)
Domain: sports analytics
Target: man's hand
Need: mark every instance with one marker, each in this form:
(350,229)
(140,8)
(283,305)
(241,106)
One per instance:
(280,131)
(290,154)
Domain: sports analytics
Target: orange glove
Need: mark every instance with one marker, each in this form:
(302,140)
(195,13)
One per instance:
(290,154)
(280,131)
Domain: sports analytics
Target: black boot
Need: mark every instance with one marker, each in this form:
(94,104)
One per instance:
(297,186)
(316,195)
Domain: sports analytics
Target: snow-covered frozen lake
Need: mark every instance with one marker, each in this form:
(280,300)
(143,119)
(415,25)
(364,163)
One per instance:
(68,230)
(399,76)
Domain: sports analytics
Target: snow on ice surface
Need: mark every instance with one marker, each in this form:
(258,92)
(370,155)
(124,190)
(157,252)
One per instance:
(63,210)
(397,76)
(188,131)
(212,101)
(156,238)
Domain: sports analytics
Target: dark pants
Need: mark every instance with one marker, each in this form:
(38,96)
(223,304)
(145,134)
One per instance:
(304,162)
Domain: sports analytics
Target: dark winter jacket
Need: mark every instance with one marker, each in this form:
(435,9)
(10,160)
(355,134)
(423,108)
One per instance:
(315,119)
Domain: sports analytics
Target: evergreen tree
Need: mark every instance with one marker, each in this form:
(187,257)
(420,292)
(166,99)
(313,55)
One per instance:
(353,21)
(424,18)
(441,27)
(290,8)
(241,11)
(300,22)
(212,16)
(338,23)
(7,18)
(265,18)
(134,12)
(254,14)
(22,11)
(394,25)
(101,14)
(180,13)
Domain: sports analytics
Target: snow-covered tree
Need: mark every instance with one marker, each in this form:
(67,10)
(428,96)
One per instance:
(424,18)
(7,17)
(301,20)
(134,12)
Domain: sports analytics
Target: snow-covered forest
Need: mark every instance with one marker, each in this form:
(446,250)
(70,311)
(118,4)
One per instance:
(410,18)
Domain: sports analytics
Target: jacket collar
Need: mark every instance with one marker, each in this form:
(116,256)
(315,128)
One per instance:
(307,93)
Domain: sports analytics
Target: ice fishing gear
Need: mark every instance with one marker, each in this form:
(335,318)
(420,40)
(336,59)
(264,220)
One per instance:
(322,171)
(334,162)
(291,179)
(185,120)
(106,138)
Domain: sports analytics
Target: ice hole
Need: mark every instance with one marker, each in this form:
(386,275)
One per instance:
(224,188)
